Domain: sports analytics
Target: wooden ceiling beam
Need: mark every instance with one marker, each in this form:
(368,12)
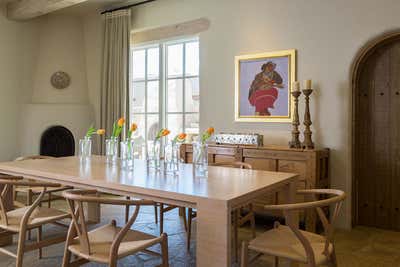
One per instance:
(28,9)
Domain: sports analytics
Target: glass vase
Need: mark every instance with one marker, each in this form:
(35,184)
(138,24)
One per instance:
(200,159)
(112,150)
(171,157)
(154,154)
(127,154)
(85,149)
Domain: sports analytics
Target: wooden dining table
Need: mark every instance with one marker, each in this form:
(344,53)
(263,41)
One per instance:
(214,197)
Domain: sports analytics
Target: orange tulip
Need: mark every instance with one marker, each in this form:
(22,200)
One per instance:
(101,131)
(121,122)
(165,132)
(210,130)
(133,127)
(182,136)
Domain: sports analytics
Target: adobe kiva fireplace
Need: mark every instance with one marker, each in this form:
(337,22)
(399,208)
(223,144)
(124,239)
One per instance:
(57,141)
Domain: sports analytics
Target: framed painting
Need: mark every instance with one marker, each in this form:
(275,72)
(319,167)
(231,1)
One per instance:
(263,85)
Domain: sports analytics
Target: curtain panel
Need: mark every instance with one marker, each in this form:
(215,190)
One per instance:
(115,70)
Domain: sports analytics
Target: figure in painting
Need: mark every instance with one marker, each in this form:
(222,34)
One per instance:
(263,91)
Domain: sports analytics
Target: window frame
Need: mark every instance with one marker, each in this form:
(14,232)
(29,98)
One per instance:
(163,79)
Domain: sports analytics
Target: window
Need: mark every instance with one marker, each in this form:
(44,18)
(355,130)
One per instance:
(165,88)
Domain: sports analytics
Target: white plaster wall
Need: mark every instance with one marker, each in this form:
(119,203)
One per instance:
(61,48)
(326,34)
(58,44)
(17,46)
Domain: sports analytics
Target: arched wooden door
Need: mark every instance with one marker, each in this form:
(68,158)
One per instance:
(377,137)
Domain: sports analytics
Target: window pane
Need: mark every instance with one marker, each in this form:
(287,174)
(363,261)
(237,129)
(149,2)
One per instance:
(153,58)
(174,124)
(152,96)
(138,64)
(192,95)
(175,60)
(139,120)
(152,126)
(139,135)
(138,103)
(192,58)
(175,95)
(192,123)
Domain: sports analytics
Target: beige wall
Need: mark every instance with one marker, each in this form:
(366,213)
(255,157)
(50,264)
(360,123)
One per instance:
(326,34)
(61,48)
(30,52)
(17,46)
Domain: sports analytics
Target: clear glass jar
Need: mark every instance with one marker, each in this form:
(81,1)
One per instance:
(153,154)
(85,149)
(200,159)
(127,154)
(171,157)
(112,150)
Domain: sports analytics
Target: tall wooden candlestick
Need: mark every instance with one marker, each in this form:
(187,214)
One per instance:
(307,143)
(295,143)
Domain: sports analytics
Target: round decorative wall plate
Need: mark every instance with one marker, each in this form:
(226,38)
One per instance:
(60,80)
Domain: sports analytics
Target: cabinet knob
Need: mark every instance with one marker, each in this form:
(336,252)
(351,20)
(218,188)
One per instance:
(381,93)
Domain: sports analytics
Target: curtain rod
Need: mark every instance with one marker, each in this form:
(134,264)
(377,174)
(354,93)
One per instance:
(128,6)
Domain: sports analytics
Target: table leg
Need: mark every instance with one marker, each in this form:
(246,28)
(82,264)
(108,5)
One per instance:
(290,195)
(213,234)
(93,213)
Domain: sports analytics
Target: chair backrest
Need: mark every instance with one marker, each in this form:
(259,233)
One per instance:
(75,199)
(234,164)
(32,157)
(9,182)
(335,198)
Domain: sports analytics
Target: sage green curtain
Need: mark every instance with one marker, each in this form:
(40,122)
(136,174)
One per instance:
(115,69)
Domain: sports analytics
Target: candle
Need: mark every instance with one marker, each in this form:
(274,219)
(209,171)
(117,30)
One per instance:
(296,86)
(307,84)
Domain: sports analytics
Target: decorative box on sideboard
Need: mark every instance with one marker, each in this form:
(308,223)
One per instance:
(311,165)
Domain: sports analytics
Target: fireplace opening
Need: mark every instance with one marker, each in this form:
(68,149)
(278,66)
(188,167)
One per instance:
(57,141)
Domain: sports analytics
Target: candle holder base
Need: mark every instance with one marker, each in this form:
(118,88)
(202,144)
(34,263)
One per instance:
(295,143)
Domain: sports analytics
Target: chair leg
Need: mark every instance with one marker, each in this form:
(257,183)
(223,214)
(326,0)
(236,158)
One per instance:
(252,220)
(127,211)
(276,261)
(164,250)
(333,258)
(21,248)
(29,201)
(39,238)
(189,228)
(235,233)
(70,236)
(155,213)
(161,218)
(49,203)
(244,255)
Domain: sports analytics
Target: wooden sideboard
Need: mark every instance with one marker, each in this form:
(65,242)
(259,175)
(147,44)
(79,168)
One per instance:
(311,165)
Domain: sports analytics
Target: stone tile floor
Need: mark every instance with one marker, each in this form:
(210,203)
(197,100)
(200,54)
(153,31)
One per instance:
(361,247)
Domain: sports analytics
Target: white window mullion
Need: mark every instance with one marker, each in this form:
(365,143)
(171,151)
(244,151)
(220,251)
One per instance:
(183,86)
(145,94)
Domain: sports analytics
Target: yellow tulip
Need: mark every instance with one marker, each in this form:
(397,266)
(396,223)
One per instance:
(101,131)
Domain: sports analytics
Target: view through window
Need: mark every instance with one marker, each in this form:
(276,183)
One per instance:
(165,88)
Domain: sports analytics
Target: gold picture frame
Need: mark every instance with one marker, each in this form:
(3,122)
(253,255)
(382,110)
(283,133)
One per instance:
(263,86)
